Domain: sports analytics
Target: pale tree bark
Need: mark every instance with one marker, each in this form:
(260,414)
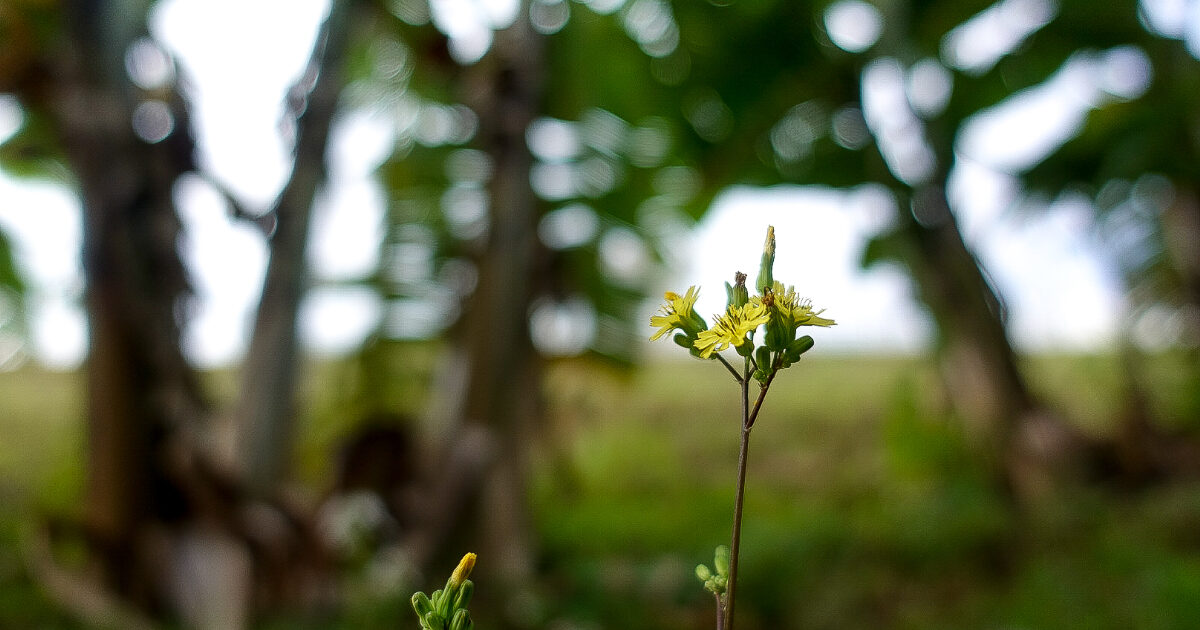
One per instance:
(478,498)
(1034,448)
(266,408)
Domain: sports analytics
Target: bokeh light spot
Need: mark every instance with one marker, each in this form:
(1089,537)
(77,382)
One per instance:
(563,328)
(553,140)
(549,16)
(853,25)
(153,121)
(928,87)
(1125,72)
(148,65)
(570,226)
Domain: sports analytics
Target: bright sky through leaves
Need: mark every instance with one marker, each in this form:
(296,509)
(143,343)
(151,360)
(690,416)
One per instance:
(1059,287)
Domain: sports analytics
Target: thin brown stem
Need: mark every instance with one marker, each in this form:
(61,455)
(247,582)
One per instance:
(753,415)
(762,393)
(735,543)
(737,377)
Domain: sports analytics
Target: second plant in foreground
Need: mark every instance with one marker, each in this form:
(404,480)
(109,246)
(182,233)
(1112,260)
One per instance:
(776,311)
(447,608)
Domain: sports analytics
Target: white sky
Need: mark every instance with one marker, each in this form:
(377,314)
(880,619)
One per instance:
(1059,285)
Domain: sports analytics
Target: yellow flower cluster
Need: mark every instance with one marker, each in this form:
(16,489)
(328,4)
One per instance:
(777,308)
(732,328)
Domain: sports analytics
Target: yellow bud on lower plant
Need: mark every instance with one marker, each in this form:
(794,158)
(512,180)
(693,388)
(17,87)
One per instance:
(463,570)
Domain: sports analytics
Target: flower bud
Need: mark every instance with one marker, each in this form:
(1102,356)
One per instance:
(463,596)
(461,621)
(762,357)
(441,603)
(421,604)
(463,570)
(799,347)
(721,560)
(738,295)
(766,277)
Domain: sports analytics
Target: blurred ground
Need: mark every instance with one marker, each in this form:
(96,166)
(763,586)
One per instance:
(866,506)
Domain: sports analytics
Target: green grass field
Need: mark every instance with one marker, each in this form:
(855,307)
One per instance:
(866,506)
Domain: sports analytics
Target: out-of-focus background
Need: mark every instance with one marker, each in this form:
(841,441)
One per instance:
(299,301)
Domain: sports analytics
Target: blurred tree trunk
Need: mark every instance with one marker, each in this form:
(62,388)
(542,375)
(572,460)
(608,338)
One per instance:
(504,370)
(978,363)
(172,533)
(483,487)
(265,411)
(142,394)
(1033,448)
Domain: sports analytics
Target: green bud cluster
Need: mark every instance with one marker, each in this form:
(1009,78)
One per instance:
(716,581)
(447,608)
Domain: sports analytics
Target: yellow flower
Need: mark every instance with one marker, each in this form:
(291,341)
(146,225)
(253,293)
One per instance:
(804,315)
(788,314)
(793,311)
(732,328)
(678,314)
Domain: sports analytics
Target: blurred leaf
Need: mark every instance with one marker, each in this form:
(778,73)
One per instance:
(33,150)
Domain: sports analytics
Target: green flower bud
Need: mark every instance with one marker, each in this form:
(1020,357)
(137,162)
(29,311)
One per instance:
(421,604)
(681,339)
(463,597)
(737,294)
(461,621)
(762,357)
(703,573)
(799,347)
(721,560)
(716,584)
(766,278)
(442,605)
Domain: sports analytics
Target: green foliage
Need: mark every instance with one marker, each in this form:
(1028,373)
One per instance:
(871,508)
(868,510)
(33,151)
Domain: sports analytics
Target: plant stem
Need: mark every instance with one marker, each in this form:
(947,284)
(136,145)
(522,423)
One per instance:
(762,393)
(732,371)
(735,543)
(748,418)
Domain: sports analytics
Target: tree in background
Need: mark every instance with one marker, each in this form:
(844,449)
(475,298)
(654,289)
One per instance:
(791,109)
(539,182)
(1134,158)
(843,93)
(173,528)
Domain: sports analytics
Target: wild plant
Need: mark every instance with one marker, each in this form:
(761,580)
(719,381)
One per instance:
(778,313)
(775,311)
